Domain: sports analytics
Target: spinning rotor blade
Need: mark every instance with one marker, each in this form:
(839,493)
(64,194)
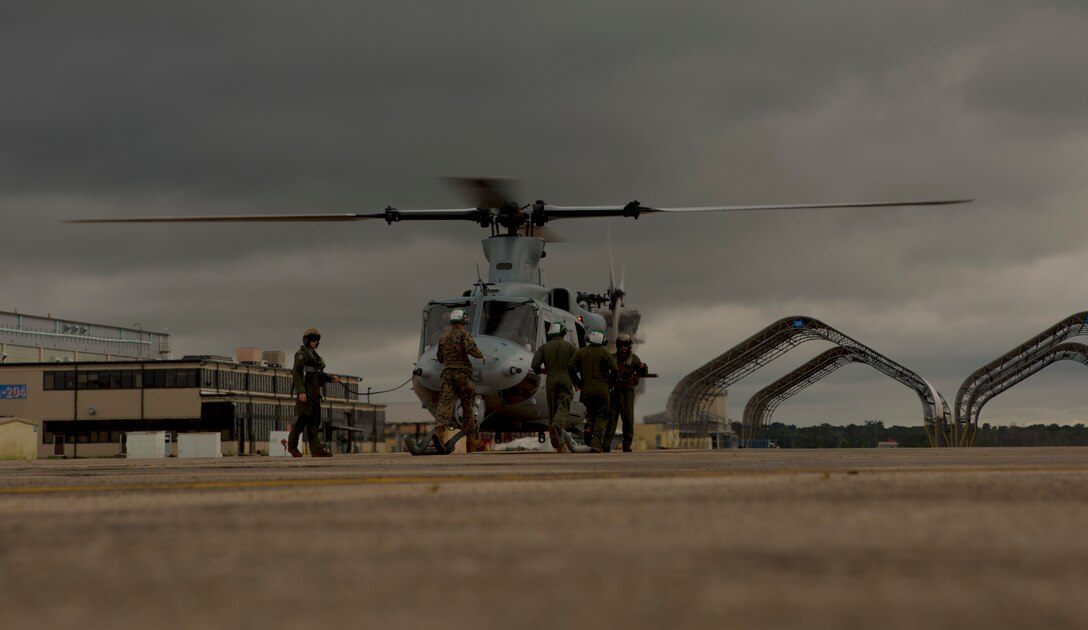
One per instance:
(486,192)
(611,267)
(615,292)
(612,293)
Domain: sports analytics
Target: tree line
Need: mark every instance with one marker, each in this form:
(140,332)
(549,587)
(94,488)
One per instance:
(868,434)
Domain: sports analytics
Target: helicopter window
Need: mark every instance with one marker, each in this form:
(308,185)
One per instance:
(515,321)
(436,320)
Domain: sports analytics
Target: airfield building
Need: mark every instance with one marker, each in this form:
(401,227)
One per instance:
(85,408)
(36,339)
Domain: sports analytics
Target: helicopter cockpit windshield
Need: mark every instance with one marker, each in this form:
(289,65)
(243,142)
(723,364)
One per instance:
(515,321)
(436,320)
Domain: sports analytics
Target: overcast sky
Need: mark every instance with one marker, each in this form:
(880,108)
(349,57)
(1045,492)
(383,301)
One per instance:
(134,109)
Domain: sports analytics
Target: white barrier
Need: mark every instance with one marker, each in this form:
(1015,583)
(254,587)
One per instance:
(193,445)
(145,444)
(277,443)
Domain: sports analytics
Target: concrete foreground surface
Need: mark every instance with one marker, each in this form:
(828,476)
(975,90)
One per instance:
(907,538)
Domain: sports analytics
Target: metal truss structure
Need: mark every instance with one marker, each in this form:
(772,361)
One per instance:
(1013,367)
(761,406)
(690,402)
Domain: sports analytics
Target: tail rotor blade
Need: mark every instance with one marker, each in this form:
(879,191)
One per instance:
(611,267)
(617,311)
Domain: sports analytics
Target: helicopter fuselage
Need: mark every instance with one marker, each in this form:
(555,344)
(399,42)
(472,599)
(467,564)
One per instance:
(509,316)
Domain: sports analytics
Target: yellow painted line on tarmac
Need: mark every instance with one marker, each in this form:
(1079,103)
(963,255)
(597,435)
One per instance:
(544,476)
(232,485)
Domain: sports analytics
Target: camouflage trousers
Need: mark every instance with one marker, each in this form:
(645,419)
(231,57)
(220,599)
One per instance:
(560,395)
(457,385)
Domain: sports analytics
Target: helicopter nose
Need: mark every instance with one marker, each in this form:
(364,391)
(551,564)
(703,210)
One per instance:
(507,362)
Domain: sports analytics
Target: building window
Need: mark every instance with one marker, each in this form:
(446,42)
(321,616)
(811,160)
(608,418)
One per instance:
(171,379)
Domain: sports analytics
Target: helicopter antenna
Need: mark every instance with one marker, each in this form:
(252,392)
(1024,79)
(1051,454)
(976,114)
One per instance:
(481,287)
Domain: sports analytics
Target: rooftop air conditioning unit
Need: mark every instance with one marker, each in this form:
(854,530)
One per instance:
(248,356)
(274,358)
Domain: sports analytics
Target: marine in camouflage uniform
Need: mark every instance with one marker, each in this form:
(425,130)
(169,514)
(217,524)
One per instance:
(552,359)
(454,349)
(622,402)
(307,377)
(592,370)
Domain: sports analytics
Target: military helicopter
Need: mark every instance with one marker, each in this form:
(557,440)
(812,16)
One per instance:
(510,312)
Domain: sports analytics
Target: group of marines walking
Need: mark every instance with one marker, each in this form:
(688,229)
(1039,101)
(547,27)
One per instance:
(607,382)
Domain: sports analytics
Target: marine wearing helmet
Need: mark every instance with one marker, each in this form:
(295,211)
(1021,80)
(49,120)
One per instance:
(458,316)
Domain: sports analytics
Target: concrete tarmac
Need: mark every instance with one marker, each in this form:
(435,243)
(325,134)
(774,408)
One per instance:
(904,538)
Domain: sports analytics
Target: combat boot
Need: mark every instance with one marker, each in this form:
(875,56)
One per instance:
(322,453)
(293,450)
(553,435)
(473,443)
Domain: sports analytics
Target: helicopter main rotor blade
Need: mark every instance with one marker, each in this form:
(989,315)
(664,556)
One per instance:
(634,209)
(391,215)
(506,213)
(802,206)
(251,218)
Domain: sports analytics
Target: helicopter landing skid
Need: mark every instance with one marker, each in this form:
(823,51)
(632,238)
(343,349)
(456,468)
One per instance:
(426,445)
(573,445)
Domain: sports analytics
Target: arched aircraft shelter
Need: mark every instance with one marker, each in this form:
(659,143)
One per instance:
(761,406)
(689,404)
(1012,368)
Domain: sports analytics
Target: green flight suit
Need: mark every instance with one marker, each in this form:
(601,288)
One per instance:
(307,376)
(553,358)
(593,369)
(622,401)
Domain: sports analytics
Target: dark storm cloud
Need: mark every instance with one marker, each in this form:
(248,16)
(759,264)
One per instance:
(125,108)
(205,98)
